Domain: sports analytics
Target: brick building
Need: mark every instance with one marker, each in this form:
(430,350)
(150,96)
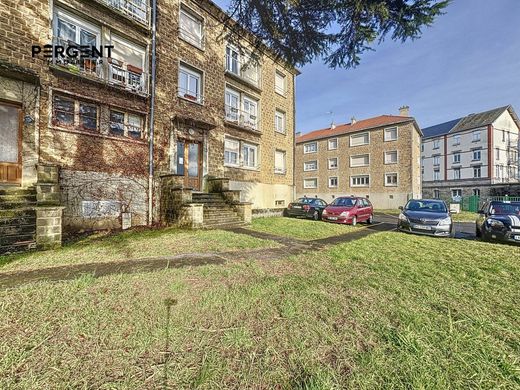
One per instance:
(76,132)
(377,157)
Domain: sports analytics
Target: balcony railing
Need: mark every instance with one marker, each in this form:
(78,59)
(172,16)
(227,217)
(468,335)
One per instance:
(127,76)
(90,66)
(246,70)
(242,118)
(137,10)
(190,95)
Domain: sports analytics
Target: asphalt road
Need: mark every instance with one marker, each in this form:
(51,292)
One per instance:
(463,230)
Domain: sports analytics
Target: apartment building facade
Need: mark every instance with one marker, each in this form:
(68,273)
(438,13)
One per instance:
(377,157)
(473,155)
(80,117)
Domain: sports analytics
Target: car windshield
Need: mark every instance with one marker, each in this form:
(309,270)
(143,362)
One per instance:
(345,202)
(431,206)
(512,208)
(305,200)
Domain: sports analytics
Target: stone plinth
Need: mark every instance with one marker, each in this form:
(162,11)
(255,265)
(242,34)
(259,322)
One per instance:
(48,227)
(191,216)
(244,211)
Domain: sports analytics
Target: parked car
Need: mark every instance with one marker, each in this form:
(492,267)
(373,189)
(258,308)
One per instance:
(349,209)
(306,207)
(426,216)
(499,221)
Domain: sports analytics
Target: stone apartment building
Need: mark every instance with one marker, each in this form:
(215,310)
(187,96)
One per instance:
(473,155)
(377,157)
(75,131)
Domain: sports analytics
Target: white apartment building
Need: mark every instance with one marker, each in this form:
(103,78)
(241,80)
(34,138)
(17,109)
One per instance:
(473,155)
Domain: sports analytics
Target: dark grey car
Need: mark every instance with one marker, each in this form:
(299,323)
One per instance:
(426,216)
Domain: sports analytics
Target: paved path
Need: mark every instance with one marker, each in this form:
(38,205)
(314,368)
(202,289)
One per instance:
(290,246)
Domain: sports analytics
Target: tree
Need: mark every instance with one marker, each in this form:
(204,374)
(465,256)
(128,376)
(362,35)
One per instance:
(338,31)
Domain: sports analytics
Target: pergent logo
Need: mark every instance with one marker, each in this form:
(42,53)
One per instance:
(71,52)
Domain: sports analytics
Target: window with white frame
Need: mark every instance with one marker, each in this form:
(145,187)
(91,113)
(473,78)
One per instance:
(456,140)
(240,63)
(361,160)
(310,147)
(456,158)
(190,83)
(456,173)
(280,86)
(231,152)
(333,163)
(250,113)
(310,183)
(280,164)
(279,121)
(310,165)
(422,147)
(238,153)
(436,194)
(191,27)
(126,124)
(436,160)
(73,113)
(476,191)
(436,144)
(391,134)
(249,155)
(456,193)
(241,109)
(360,181)
(497,154)
(127,62)
(476,136)
(477,172)
(232,59)
(333,182)
(391,157)
(332,143)
(391,179)
(359,139)
(436,174)
(477,154)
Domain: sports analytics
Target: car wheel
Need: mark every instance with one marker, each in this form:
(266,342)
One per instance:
(316,215)
(285,213)
(370,219)
(354,220)
(478,233)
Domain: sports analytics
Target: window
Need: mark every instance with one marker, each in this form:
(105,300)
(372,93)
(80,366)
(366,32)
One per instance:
(422,147)
(497,153)
(391,134)
(242,110)
(359,181)
(63,111)
(249,114)
(240,63)
(279,161)
(333,144)
(359,139)
(279,121)
(391,157)
(135,126)
(333,182)
(310,165)
(499,171)
(476,155)
(310,147)
(436,143)
(476,192)
(456,140)
(279,202)
(391,179)
(68,112)
(456,158)
(436,160)
(87,117)
(456,173)
(360,161)
(436,174)
(333,163)
(310,183)
(190,28)
(422,170)
(456,194)
(126,66)
(436,194)
(117,123)
(249,155)
(279,83)
(190,84)
(477,171)
(476,136)
(231,152)
(126,124)
(232,60)
(503,136)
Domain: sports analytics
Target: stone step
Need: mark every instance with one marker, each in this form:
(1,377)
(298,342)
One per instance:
(224,225)
(17,191)
(24,212)
(221,220)
(18,204)
(17,198)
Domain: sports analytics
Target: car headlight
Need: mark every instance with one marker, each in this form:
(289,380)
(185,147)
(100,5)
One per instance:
(403,217)
(445,222)
(495,223)
(344,214)
(324,212)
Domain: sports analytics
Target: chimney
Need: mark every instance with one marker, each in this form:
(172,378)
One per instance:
(332,125)
(297,134)
(404,111)
(353,120)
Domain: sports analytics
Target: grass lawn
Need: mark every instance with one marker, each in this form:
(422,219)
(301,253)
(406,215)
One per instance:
(303,229)
(104,247)
(463,216)
(387,311)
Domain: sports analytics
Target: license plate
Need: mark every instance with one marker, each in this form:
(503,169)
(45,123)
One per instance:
(297,207)
(423,227)
(333,218)
(517,238)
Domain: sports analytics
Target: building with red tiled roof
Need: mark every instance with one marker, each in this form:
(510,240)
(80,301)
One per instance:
(376,157)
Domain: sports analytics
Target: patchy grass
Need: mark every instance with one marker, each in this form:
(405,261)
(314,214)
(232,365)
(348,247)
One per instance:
(387,311)
(302,229)
(104,247)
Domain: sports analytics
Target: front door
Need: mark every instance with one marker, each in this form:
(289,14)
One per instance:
(189,163)
(10,143)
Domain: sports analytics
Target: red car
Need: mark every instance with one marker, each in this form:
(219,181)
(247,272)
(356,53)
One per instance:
(349,209)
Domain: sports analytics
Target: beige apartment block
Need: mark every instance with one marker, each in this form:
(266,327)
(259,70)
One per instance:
(377,157)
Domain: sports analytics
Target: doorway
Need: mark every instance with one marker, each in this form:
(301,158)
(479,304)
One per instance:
(189,163)
(10,143)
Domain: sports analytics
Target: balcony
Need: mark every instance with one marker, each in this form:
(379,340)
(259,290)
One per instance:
(247,71)
(137,10)
(127,76)
(242,118)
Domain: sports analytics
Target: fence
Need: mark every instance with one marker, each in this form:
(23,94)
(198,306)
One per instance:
(474,203)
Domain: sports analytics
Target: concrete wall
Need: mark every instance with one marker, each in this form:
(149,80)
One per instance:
(262,195)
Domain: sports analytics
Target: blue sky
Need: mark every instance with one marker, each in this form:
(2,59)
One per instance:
(468,61)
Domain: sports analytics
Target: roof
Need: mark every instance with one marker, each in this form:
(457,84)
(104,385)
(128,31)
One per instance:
(471,121)
(364,124)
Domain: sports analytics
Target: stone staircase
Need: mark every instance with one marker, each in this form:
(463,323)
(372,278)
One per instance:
(17,219)
(217,213)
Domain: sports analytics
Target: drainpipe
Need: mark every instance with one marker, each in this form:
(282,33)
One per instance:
(152,115)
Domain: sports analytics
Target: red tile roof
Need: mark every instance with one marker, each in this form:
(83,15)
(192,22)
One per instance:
(364,124)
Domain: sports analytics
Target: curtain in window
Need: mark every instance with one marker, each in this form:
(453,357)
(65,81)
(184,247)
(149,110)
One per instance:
(9,122)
